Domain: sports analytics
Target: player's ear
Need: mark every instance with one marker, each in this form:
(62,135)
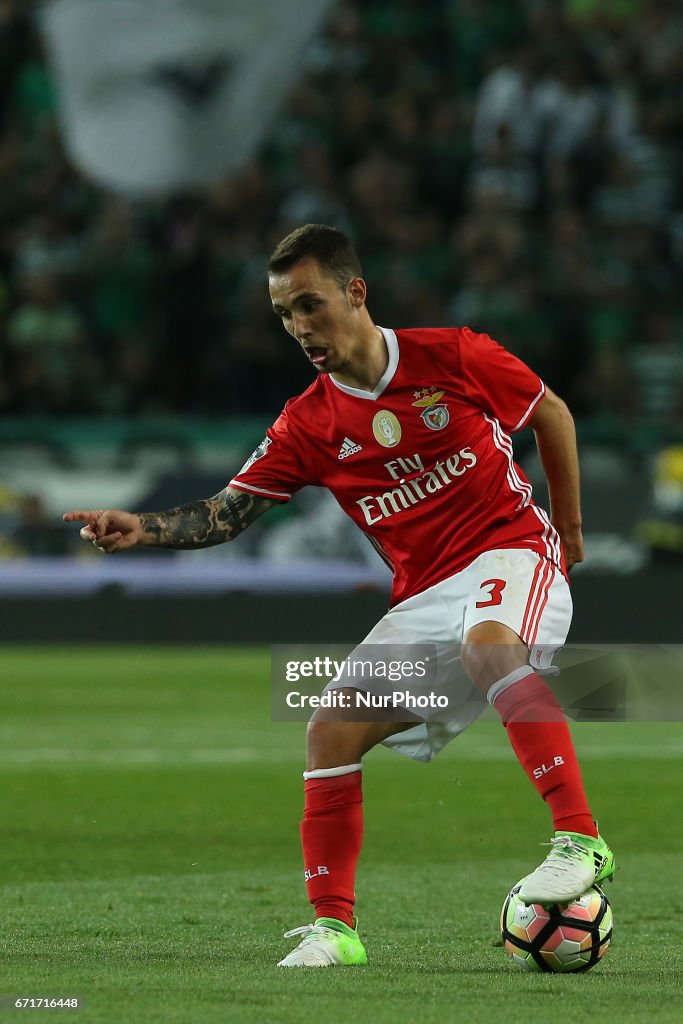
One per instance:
(356,291)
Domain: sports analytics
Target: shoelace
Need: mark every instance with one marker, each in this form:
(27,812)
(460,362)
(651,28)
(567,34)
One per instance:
(566,848)
(307,930)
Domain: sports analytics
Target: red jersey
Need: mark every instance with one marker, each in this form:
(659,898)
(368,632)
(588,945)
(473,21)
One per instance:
(423,464)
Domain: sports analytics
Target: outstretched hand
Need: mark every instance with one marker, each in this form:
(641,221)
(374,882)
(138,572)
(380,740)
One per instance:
(110,530)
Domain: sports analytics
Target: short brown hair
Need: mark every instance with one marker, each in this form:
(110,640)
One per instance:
(331,249)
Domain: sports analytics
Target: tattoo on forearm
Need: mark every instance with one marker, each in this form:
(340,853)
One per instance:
(202,524)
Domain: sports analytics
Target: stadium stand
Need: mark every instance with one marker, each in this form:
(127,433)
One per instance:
(513,167)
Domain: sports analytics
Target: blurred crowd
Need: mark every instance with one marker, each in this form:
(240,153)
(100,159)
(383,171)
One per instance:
(514,166)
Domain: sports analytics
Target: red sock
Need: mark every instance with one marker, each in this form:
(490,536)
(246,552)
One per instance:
(541,739)
(331,837)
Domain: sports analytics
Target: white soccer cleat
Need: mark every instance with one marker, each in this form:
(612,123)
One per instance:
(325,946)
(574,864)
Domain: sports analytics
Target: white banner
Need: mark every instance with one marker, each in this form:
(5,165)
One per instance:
(158,95)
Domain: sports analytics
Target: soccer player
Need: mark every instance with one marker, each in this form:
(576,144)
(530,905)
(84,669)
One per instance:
(409,429)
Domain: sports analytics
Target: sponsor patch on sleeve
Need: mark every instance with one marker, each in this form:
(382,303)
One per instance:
(258,453)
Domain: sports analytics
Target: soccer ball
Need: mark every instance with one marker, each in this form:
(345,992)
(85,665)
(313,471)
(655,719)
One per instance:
(557,938)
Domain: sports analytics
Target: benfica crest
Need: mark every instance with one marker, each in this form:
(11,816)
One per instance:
(434,413)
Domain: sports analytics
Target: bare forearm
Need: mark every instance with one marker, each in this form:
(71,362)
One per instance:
(553,426)
(556,443)
(205,523)
(196,525)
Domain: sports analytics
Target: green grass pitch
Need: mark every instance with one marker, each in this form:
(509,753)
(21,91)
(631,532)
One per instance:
(150,856)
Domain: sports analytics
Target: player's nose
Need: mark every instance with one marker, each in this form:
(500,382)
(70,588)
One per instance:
(301,330)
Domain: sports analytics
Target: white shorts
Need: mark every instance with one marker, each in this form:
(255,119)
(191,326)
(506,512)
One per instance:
(513,586)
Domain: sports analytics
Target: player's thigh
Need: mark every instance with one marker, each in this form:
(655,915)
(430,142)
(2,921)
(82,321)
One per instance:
(411,650)
(525,592)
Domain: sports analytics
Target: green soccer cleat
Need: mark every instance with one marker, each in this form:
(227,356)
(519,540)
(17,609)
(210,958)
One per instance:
(574,864)
(325,943)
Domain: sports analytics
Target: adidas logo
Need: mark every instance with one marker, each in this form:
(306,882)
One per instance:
(349,447)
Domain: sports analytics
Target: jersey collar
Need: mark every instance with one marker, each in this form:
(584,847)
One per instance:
(386,378)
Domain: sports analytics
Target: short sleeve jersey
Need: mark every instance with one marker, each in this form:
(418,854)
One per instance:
(423,464)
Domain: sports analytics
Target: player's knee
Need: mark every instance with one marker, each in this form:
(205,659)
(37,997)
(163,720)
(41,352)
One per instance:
(478,668)
(323,729)
(331,743)
(335,742)
(489,651)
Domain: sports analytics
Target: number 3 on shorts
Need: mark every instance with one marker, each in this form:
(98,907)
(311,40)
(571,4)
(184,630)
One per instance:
(494,589)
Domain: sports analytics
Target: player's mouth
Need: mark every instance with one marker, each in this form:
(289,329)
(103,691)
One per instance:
(317,355)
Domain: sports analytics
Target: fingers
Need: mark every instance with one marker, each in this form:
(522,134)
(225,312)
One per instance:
(108,544)
(96,529)
(80,516)
(90,517)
